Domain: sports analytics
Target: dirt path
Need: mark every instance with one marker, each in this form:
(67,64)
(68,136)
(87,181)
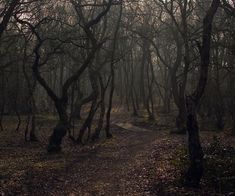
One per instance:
(136,161)
(130,127)
(102,168)
(106,169)
(139,160)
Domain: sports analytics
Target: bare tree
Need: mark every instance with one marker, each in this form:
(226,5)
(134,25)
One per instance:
(196,168)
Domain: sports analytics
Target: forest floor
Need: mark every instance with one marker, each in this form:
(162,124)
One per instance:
(141,159)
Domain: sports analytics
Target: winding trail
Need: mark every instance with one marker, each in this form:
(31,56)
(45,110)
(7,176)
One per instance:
(107,169)
(135,162)
(118,166)
(130,127)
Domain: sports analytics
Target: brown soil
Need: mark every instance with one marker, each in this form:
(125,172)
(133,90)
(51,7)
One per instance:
(133,162)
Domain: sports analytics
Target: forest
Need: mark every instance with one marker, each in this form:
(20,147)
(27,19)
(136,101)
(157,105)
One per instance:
(117,97)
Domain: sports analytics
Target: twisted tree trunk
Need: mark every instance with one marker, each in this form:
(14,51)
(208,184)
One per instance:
(196,168)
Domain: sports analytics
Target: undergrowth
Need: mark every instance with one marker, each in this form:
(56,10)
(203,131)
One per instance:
(219,166)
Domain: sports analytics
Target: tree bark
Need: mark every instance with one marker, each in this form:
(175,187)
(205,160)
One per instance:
(196,167)
(96,135)
(195,170)
(87,124)
(112,85)
(7,16)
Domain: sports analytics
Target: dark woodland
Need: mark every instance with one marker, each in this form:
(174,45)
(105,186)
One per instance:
(117,97)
